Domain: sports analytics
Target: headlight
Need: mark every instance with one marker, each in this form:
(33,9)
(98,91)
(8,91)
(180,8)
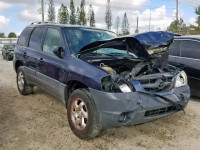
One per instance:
(181,79)
(124,88)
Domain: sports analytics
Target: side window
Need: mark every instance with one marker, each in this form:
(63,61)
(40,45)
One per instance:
(36,38)
(53,38)
(174,48)
(24,36)
(190,49)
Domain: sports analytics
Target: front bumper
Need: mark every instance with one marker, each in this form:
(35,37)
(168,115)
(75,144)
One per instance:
(119,109)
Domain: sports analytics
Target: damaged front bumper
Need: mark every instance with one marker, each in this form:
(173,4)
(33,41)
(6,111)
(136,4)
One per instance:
(119,109)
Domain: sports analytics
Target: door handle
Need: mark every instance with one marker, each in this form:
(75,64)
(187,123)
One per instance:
(41,60)
(24,54)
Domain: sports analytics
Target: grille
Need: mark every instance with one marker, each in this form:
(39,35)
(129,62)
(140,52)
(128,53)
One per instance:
(161,111)
(156,84)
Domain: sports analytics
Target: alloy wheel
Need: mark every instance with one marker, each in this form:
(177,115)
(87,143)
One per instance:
(79,114)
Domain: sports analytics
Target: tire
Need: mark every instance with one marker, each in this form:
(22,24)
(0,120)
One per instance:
(3,56)
(89,127)
(23,87)
(7,58)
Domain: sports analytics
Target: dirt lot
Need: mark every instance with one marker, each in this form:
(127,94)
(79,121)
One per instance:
(39,121)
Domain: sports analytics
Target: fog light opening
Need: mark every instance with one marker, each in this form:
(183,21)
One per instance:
(122,117)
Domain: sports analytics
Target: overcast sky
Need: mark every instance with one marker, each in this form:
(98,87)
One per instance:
(17,14)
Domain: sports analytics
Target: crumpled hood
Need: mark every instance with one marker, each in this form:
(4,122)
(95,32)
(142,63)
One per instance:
(124,43)
(155,39)
(149,45)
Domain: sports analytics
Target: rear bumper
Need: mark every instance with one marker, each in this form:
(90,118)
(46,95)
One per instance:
(119,109)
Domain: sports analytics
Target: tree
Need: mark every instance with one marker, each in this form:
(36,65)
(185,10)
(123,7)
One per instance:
(51,11)
(12,35)
(125,25)
(197,11)
(136,31)
(2,35)
(108,17)
(178,26)
(117,24)
(63,15)
(82,14)
(91,17)
(72,19)
(77,16)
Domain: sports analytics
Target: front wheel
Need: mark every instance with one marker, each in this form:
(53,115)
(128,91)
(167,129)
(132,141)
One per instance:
(22,85)
(82,114)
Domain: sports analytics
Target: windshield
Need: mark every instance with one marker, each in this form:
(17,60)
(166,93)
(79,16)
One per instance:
(79,37)
(9,46)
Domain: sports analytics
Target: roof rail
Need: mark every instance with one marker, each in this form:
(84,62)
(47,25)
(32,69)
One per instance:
(43,22)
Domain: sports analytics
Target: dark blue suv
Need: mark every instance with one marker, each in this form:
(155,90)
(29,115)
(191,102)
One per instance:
(105,81)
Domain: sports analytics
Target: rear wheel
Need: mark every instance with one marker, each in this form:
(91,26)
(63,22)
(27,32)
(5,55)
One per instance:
(82,114)
(22,85)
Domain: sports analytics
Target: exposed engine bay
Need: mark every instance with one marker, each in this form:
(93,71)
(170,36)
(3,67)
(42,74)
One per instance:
(152,76)
(149,67)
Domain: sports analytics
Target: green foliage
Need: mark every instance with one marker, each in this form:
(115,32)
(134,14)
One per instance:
(82,14)
(178,26)
(125,25)
(63,15)
(136,31)
(2,35)
(197,11)
(72,18)
(91,17)
(117,24)
(51,11)
(12,35)
(77,16)
(108,17)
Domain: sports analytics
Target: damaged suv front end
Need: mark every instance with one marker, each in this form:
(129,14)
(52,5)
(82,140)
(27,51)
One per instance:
(140,85)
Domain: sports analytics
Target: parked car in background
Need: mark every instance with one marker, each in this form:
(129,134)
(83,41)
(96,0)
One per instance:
(7,51)
(185,54)
(104,80)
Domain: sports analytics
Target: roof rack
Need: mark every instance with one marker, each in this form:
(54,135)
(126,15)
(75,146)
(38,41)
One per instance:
(43,22)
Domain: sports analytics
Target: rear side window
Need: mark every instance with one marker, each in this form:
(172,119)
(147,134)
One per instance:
(174,48)
(190,49)
(53,38)
(24,36)
(36,38)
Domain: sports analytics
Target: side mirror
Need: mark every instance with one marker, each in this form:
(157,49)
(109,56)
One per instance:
(59,51)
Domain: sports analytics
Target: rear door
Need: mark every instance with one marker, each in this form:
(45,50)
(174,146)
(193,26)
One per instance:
(51,68)
(174,52)
(190,59)
(32,52)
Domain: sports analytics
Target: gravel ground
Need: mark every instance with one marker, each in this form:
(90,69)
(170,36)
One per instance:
(39,122)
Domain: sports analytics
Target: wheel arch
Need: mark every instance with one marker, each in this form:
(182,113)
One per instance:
(71,86)
(18,64)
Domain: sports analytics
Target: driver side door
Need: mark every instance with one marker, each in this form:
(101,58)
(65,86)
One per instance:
(51,72)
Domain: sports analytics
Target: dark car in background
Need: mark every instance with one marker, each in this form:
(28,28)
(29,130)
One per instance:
(185,54)
(7,51)
(105,81)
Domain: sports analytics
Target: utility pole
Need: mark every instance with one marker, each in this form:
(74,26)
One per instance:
(137,24)
(150,20)
(42,5)
(176,10)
